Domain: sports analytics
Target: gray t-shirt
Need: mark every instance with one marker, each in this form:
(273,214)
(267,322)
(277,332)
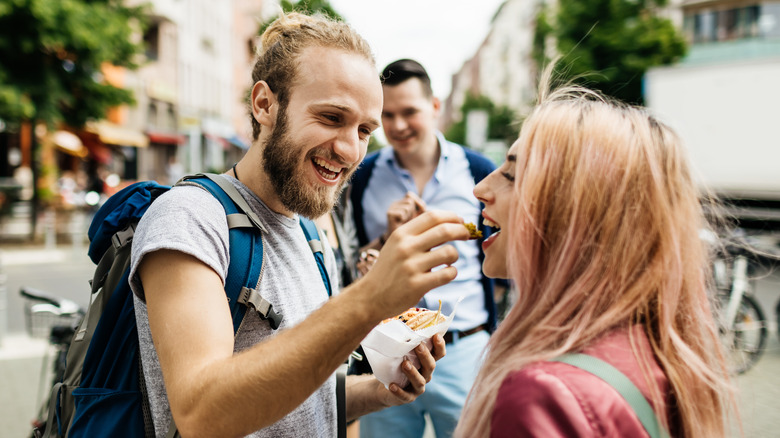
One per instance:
(190,220)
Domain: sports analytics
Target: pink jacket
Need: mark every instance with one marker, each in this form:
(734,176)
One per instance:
(553,399)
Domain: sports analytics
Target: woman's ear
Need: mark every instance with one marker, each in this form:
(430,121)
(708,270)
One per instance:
(263,104)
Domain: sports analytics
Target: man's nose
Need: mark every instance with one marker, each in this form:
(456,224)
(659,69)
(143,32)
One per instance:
(347,146)
(397,123)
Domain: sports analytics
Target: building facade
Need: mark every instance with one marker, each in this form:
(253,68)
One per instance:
(503,68)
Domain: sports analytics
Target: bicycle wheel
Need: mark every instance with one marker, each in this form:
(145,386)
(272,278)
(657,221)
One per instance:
(745,340)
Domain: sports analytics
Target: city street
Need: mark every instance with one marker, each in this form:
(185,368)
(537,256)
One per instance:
(66,270)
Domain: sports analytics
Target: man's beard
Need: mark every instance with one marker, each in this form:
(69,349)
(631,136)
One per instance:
(281,159)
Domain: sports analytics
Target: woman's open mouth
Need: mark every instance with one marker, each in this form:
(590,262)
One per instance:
(493,236)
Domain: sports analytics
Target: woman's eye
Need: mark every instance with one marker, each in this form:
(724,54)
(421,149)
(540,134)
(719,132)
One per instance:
(508,176)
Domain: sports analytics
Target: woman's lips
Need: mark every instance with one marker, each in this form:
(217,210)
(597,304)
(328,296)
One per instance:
(489,241)
(495,226)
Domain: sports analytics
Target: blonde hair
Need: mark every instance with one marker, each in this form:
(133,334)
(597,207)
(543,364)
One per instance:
(604,233)
(283,42)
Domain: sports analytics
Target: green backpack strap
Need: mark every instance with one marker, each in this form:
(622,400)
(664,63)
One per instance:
(622,385)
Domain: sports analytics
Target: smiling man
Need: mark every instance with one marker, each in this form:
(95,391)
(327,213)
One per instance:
(315,100)
(421,171)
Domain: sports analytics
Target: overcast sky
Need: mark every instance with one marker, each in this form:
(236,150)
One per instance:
(440,34)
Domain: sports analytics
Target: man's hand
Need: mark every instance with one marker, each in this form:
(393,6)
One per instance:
(367,260)
(417,377)
(365,394)
(403,210)
(414,260)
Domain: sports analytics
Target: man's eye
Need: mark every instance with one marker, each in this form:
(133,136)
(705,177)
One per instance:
(331,118)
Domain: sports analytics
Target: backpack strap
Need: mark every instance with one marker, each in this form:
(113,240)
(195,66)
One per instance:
(246,250)
(246,247)
(357,187)
(622,385)
(243,223)
(313,237)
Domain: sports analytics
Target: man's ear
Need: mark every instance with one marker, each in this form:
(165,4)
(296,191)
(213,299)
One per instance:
(263,104)
(436,105)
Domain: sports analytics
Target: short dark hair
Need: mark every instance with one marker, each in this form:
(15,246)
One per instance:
(404,69)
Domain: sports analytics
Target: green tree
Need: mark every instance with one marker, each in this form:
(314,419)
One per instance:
(51,57)
(502,121)
(608,44)
(52,52)
(308,7)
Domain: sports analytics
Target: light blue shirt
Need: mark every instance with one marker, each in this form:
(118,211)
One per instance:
(451,189)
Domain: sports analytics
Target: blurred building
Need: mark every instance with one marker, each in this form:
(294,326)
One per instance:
(190,114)
(502,68)
(722,99)
(190,92)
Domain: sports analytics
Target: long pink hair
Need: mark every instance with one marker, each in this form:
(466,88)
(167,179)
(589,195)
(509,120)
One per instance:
(604,233)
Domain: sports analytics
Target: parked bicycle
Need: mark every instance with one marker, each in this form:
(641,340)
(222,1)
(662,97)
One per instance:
(54,318)
(741,319)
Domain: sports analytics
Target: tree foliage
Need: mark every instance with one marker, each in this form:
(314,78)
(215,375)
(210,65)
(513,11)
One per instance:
(308,7)
(502,121)
(51,54)
(608,44)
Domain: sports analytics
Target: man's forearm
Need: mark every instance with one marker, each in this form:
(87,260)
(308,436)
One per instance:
(294,363)
(362,396)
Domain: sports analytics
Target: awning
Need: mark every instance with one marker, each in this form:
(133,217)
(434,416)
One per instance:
(69,143)
(237,141)
(222,141)
(165,138)
(100,152)
(111,133)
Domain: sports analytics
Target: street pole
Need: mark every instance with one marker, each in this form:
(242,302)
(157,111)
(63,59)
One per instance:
(35,175)
(3,301)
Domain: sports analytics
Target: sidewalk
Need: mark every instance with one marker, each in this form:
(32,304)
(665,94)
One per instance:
(19,255)
(25,362)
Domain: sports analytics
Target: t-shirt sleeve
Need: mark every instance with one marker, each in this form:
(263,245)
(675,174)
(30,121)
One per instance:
(533,403)
(185,219)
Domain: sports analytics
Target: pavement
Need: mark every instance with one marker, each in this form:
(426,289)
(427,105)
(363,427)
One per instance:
(25,361)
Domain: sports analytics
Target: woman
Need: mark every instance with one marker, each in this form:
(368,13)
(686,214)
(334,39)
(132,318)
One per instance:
(600,221)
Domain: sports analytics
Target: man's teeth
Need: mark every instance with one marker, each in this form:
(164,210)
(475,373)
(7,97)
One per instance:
(322,163)
(326,170)
(490,223)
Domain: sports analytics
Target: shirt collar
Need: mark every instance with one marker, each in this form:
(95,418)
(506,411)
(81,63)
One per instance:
(445,149)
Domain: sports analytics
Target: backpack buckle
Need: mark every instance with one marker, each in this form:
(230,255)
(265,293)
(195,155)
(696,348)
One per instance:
(264,308)
(120,238)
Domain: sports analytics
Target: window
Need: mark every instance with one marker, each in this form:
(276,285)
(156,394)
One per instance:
(704,26)
(151,116)
(152,42)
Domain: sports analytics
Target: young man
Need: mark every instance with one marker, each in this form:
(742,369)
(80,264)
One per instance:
(422,171)
(315,101)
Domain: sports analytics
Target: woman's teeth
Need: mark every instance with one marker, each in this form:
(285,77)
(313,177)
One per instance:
(326,170)
(490,223)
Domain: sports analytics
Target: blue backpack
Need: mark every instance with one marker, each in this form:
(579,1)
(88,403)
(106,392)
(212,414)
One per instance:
(102,392)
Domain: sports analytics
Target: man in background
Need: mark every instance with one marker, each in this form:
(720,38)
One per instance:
(421,171)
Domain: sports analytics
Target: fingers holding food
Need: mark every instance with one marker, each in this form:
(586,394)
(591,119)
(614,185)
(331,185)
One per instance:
(474,232)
